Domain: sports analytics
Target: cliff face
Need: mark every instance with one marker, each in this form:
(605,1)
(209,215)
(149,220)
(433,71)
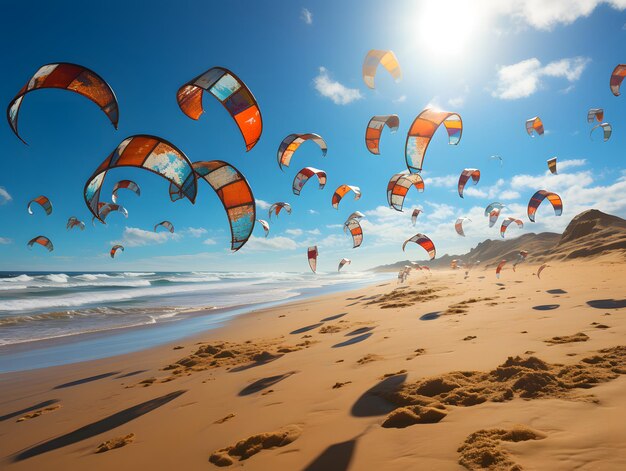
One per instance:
(589,234)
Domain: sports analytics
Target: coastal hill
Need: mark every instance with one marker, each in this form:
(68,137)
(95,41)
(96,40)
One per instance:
(590,233)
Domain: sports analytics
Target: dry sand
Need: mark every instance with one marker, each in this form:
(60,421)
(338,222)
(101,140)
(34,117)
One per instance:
(441,373)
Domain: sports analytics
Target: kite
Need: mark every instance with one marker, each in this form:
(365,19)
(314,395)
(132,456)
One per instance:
(232,93)
(73,222)
(538,197)
(421,132)
(521,257)
(149,153)
(312,256)
(424,242)
(595,114)
(606,127)
(416,213)
(491,206)
(276,208)
(387,59)
(342,262)
(499,268)
(236,196)
(375,129)
(458,225)
(71,77)
(508,221)
(114,250)
(42,201)
(104,209)
(291,143)
(355,215)
(355,229)
(341,191)
(125,184)
(493,216)
(43,241)
(493,157)
(466,174)
(166,224)
(541,269)
(617,77)
(303,176)
(534,125)
(552,165)
(265,225)
(399,185)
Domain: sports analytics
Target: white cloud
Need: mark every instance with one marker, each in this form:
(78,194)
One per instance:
(497,191)
(338,93)
(194,231)
(294,232)
(306,16)
(447,181)
(564,164)
(271,244)
(260,204)
(314,232)
(459,100)
(524,78)
(5,241)
(312,211)
(209,241)
(5,197)
(400,99)
(135,237)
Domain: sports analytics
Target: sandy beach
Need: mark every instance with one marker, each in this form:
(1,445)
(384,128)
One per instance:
(439,373)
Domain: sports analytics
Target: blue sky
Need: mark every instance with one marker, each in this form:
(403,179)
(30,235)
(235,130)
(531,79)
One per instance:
(496,64)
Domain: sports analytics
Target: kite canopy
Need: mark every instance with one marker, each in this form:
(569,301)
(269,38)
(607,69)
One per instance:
(538,197)
(166,224)
(375,129)
(114,250)
(236,196)
(424,242)
(291,143)
(493,216)
(499,268)
(149,153)
(399,185)
(125,184)
(552,165)
(265,225)
(466,174)
(232,93)
(606,127)
(387,59)
(490,207)
(595,114)
(276,208)
(354,226)
(617,77)
(42,201)
(421,132)
(541,268)
(341,191)
(71,77)
(43,241)
(342,262)
(355,215)
(104,209)
(534,125)
(73,222)
(312,256)
(508,221)
(458,225)
(303,176)
(416,213)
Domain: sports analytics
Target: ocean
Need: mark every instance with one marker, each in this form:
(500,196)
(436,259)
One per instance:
(43,306)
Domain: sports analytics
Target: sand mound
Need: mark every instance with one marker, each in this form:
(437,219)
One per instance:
(118,442)
(578,337)
(244,449)
(39,412)
(482,449)
(400,297)
(591,233)
(411,415)
(527,378)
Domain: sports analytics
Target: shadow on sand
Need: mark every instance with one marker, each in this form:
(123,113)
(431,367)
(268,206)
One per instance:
(264,383)
(332,318)
(371,404)
(336,457)
(359,331)
(306,328)
(556,291)
(546,307)
(431,316)
(607,303)
(86,380)
(132,373)
(41,405)
(353,340)
(101,426)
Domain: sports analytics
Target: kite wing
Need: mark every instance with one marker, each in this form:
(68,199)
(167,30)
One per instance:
(399,185)
(149,153)
(276,208)
(265,225)
(552,165)
(342,262)
(490,207)
(291,143)
(541,268)
(43,241)
(416,213)
(606,127)
(232,93)
(73,222)
(424,242)
(534,125)
(341,191)
(166,224)
(595,114)
(538,197)
(499,268)
(42,201)
(421,132)
(458,226)
(387,59)
(356,231)
(466,174)
(114,250)
(617,77)
(303,176)
(312,256)
(507,221)
(236,196)
(375,129)
(125,184)
(72,77)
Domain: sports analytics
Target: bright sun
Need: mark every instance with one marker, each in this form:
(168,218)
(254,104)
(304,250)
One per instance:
(445,28)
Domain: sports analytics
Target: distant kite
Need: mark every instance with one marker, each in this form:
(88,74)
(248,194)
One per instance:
(375,129)
(534,125)
(385,58)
